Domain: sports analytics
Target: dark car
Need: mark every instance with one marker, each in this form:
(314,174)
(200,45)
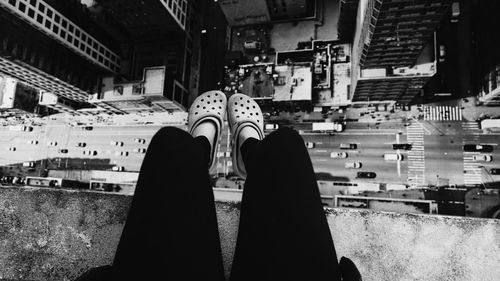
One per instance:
(366,175)
(63,151)
(495,171)
(478,148)
(404,146)
(348,146)
(87,128)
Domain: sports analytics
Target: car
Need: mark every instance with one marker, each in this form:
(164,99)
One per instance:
(90,152)
(139,140)
(495,171)
(271,126)
(118,168)
(116,143)
(12,148)
(29,164)
(348,146)
(366,175)
(310,144)
(478,148)
(393,157)
(140,150)
(353,165)
(63,151)
(482,157)
(27,128)
(338,155)
(52,143)
(87,128)
(121,153)
(403,146)
(34,142)
(81,144)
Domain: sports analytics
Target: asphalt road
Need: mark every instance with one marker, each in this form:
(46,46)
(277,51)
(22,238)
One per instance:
(98,139)
(441,159)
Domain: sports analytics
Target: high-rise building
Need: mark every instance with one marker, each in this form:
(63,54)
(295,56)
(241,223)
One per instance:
(393,53)
(90,57)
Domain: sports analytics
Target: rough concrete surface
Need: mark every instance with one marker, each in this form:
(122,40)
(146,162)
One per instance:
(56,235)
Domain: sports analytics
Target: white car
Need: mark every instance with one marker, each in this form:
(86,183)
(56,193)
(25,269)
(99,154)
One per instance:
(482,157)
(271,126)
(34,142)
(338,155)
(90,152)
(52,143)
(139,140)
(11,148)
(353,165)
(310,144)
(81,144)
(29,164)
(121,153)
(27,128)
(140,150)
(116,143)
(118,168)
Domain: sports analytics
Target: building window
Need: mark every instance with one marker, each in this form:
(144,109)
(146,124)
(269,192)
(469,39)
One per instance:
(31,13)
(22,7)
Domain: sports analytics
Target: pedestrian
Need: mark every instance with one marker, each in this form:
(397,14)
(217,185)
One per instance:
(171,232)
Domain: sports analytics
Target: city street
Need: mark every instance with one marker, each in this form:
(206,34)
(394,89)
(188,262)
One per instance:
(433,159)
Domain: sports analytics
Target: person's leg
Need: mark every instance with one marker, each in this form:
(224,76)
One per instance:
(283,232)
(171,232)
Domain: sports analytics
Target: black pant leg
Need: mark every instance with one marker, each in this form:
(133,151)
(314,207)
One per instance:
(171,232)
(283,232)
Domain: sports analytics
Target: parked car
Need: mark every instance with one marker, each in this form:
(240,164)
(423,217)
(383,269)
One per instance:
(348,146)
(393,157)
(52,143)
(29,164)
(81,144)
(90,152)
(403,146)
(118,168)
(353,165)
(116,143)
(140,150)
(63,151)
(34,142)
(27,128)
(478,148)
(338,155)
(366,175)
(482,157)
(139,140)
(87,128)
(495,171)
(310,144)
(121,153)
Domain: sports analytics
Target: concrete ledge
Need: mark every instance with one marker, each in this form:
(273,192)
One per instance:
(57,235)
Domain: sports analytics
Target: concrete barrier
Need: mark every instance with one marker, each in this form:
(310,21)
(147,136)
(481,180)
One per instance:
(57,234)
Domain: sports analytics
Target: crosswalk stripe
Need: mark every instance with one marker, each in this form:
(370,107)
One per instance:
(442,113)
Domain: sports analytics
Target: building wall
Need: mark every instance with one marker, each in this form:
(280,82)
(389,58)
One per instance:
(57,235)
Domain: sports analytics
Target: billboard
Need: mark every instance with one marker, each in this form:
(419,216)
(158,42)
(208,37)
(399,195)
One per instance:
(7,92)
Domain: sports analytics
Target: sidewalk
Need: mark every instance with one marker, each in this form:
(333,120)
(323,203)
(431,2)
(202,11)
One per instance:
(473,112)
